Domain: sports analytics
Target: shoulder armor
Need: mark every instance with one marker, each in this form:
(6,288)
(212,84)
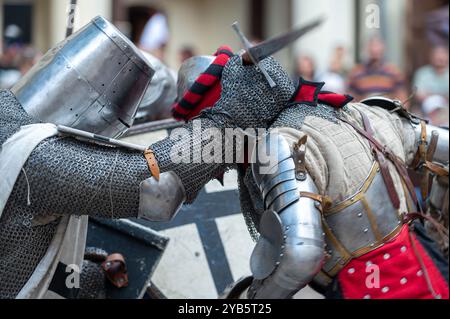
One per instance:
(289,252)
(391,106)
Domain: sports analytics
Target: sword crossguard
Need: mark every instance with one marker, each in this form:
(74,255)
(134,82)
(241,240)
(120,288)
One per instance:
(248,46)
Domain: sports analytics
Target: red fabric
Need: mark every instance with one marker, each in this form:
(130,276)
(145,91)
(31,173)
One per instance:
(310,93)
(335,100)
(192,104)
(400,274)
(208,100)
(307,93)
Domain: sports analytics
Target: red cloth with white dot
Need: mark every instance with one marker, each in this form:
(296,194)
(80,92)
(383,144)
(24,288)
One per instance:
(400,273)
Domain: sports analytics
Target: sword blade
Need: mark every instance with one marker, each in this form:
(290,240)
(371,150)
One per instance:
(267,48)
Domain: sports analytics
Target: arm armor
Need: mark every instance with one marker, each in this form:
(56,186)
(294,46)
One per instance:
(441,153)
(290,251)
(66,176)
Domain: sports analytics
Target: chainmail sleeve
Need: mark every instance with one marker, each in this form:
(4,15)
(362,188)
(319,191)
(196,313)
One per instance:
(193,139)
(65,176)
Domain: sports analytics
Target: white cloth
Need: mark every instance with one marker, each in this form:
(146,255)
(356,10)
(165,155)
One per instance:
(69,242)
(155,34)
(15,152)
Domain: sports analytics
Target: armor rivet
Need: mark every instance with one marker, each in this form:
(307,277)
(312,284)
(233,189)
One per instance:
(403,281)
(385,290)
(351,271)
(367,297)
(366,230)
(277,263)
(281,255)
(386,256)
(360,215)
(419,273)
(403,249)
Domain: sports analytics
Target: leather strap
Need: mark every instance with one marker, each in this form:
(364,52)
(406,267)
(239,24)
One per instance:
(399,165)
(421,154)
(378,152)
(427,164)
(152,164)
(436,169)
(323,200)
(300,158)
(116,270)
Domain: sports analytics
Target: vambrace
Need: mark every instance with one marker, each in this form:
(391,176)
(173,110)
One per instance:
(434,140)
(290,251)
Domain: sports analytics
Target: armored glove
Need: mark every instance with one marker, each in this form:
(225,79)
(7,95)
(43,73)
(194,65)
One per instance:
(247,101)
(247,96)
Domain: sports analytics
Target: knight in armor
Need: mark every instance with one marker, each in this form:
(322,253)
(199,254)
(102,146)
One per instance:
(94,81)
(327,195)
(333,200)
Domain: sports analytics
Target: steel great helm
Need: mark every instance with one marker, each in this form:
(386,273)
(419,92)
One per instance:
(189,72)
(93,81)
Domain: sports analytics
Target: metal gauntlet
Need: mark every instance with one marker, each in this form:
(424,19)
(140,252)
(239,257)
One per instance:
(290,251)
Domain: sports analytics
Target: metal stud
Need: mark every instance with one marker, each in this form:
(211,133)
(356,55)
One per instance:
(386,256)
(369,263)
(367,297)
(419,273)
(403,249)
(360,215)
(351,271)
(403,281)
(366,230)
(385,289)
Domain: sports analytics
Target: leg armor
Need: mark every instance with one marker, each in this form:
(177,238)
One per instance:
(290,251)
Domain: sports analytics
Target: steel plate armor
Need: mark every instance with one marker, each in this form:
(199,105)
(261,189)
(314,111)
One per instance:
(93,81)
(161,93)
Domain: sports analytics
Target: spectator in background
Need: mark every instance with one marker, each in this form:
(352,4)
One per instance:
(27,59)
(432,83)
(305,68)
(155,36)
(12,44)
(435,109)
(334,77)
(186,53)
(375,76)
(433,78)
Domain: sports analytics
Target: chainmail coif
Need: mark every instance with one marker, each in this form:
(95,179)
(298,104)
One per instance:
(247,96)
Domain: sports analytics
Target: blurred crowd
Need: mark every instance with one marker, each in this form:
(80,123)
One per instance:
(426,93)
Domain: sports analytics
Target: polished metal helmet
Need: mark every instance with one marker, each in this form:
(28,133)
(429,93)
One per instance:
(93,81)
(190,71)
(161,93)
